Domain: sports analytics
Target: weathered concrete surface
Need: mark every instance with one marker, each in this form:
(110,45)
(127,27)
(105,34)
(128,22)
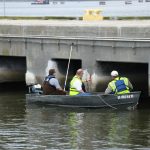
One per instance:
(40,41)
(111,28)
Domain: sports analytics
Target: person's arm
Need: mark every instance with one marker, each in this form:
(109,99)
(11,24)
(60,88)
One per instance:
(78,86)
(130,85)
(55,83)
(108,90)
(81,91)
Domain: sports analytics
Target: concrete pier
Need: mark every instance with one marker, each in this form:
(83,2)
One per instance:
(98,47)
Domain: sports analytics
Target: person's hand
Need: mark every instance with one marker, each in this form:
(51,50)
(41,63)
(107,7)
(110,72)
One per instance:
(88,80)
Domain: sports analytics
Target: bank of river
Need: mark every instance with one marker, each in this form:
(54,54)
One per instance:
(40,128)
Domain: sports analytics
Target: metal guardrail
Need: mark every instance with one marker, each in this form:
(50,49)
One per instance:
(124,39)
(89,41)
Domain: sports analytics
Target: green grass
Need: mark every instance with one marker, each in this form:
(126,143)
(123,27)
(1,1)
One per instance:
(127,18)
(71,18)
(40,18)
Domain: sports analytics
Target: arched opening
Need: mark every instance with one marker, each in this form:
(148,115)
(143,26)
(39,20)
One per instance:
(136,72)
(62,65)
(12,73)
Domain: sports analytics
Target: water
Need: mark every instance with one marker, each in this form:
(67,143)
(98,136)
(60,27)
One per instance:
(42,128)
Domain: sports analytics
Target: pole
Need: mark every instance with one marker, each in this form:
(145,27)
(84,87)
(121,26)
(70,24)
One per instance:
(68,66)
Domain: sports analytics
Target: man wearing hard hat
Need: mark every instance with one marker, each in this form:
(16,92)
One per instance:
(118,85)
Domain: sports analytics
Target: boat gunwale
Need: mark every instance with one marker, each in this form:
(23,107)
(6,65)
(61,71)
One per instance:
(92,95)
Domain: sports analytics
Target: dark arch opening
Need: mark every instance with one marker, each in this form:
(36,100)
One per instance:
(136,72)
(62,65)
(12,73)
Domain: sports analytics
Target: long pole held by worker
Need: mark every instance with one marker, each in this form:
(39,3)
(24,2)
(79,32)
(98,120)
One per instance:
(71,47)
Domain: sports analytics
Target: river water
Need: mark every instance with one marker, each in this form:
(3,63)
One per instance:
(32,127)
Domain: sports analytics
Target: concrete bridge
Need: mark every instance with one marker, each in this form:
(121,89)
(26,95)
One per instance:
(32,47)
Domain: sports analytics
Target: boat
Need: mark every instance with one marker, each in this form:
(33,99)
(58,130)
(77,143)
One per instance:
(95,100)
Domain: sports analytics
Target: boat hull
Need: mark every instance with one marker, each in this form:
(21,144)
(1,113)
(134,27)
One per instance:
(93,101)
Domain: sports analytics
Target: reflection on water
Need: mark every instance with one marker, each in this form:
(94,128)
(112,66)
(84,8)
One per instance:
(40,128)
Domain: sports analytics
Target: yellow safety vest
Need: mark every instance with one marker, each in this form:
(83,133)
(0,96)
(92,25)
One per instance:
(122,86)
(73,91)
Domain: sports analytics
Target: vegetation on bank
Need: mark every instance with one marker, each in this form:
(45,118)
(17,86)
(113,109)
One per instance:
(71,18)
(40,18)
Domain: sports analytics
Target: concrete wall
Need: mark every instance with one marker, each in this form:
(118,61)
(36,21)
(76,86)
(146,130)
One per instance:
(106,41)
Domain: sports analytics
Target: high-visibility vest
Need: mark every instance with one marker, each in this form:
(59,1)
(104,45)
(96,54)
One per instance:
(119,85)
(73,91)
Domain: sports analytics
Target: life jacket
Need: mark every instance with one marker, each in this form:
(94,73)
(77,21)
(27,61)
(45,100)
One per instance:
(119,85)
(49,89)
(47,80)
(73,91)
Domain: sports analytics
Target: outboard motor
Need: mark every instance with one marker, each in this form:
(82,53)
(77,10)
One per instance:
(36,88)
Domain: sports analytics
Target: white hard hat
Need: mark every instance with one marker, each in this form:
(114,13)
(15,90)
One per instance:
(114,73)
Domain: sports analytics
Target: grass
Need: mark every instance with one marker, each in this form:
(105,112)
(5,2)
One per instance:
(40,18)
(70,18)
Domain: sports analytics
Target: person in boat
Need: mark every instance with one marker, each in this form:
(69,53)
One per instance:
(51,85)
(76,85)
(118,85)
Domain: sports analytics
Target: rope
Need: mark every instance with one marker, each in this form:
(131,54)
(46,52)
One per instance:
(106,102)
(68,66)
